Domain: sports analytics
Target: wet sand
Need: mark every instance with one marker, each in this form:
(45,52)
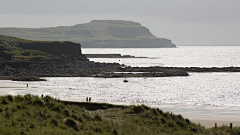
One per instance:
(4,90)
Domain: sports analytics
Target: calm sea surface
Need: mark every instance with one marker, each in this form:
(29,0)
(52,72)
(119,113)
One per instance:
(203,93)
(182,56)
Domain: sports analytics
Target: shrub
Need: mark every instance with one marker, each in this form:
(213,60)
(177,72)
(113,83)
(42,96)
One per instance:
(194,129)
(18,107)
(8,114)
(28,97)
(10,98)
(98,118)
(43,115)
(154,111)
(57,109)
(86,116)
(97,129)
(188,121)
(39,102)
(4,101)
(181,123)
(19,98)
(115,132)
(66,112)
(55,122)
(160,111)
(29,113)
(163,120)
(71,123)
(47,98)
(75,117)
(146,107)
(14,109)
(180,117)
(138,109)
(80,119)
(32,125)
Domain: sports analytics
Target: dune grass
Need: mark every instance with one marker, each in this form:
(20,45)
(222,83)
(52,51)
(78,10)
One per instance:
(35,115)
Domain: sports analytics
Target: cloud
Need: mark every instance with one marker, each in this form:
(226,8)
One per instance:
(215,11)
(183,21)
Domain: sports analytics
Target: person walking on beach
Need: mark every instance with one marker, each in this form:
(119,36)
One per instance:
(27,85)
(87,99)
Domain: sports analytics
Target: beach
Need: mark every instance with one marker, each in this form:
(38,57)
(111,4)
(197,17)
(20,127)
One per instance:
(209,120)
(205,120)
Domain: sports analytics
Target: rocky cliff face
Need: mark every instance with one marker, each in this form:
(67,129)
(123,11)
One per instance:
(19,57)
(56,48)
(96,34)
(15,48)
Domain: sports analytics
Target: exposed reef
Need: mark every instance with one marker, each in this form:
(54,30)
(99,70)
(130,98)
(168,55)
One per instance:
(110,56)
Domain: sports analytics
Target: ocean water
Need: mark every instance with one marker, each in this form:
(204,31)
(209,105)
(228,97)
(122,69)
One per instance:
(182,56)
(199,93)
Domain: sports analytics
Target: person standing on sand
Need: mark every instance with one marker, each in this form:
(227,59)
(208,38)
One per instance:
(27,85)
(87,99)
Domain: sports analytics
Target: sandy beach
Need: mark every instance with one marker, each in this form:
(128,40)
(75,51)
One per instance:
(209,120)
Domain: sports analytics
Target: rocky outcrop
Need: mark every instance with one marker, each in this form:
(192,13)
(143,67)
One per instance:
(96,34)
(56,48)
(55,66)
(42,58)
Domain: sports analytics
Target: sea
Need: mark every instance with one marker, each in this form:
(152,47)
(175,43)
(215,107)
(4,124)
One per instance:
(200,93)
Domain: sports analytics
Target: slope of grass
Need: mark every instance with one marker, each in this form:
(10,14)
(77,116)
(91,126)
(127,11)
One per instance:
(11,47)
(34,115)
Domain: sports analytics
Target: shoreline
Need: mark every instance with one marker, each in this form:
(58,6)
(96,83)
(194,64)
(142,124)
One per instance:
(207,119)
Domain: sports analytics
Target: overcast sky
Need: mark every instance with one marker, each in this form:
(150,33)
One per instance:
(185,22)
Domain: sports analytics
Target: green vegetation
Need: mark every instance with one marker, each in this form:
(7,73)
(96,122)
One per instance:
(97,33)
(9,45)
(12,48)
(34,115)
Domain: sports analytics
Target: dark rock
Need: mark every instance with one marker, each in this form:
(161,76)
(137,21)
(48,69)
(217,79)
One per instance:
(26,53)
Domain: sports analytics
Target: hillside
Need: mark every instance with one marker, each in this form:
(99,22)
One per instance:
(44,115)
(30,114)
(15,48)
(20,57)
(96,34)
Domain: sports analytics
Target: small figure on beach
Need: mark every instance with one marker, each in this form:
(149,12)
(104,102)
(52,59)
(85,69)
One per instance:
(27,85)
(87,99)
(42,95)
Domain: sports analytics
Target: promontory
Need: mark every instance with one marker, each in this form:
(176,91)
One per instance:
(96,34)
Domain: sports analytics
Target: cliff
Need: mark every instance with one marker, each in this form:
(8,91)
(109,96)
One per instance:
(15,48)
(96,34)
(20,57)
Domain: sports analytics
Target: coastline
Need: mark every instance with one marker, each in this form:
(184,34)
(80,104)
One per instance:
(206,119)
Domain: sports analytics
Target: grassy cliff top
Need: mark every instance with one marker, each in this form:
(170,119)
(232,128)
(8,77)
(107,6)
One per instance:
(10,45)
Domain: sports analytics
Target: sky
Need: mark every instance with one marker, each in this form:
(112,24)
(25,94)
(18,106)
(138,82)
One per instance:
(184,22)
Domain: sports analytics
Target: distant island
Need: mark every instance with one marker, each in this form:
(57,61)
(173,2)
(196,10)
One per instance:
(96,34)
